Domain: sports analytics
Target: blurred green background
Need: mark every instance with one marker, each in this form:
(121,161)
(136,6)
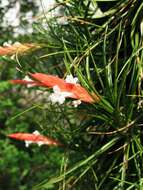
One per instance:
(20,168)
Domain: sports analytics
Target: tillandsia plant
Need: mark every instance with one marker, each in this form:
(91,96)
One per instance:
(100,42)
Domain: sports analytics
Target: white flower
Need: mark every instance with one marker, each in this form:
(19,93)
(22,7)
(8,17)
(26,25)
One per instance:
(58,96)
(27,78)
(71,79)
(30,80)
(27,143)
(39,143)
(7,44)
(76,103)
(36,132)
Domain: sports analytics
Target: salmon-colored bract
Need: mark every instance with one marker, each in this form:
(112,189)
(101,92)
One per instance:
(76,91)
(34,138)
(16,48)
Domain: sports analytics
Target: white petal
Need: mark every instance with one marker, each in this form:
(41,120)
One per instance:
(27,143)
(40,143)
(36,132)
(58,96)
(56,89)
(76,103)
(27,78)
(71,79)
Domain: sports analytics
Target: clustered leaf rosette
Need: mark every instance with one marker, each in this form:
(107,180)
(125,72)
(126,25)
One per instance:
(68,88)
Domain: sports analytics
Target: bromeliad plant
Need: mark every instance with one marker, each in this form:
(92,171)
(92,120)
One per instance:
(104,147)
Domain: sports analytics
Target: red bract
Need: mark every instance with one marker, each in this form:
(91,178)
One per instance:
(76,90)
(81,94)
(26,82)
(34,138)
(49,80)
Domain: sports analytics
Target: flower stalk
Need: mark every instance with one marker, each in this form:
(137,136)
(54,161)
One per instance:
(16,48)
